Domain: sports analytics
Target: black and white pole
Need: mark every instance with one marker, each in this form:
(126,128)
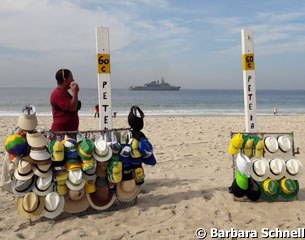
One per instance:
(103,75)
(249,79)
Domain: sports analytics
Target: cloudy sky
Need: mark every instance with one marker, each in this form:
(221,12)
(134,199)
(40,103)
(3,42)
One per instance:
(195,43)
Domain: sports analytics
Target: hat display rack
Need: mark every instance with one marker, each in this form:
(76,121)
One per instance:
(58,174)
(265,167)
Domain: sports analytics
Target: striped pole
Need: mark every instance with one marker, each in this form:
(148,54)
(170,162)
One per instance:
(249,79)
(103,75)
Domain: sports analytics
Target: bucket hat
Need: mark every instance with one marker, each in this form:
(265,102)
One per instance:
(27,120)
(259,169)
(16,144)
(102,198)
(243,164)
(76,201)
(284,143)
(236,143)
(253,192)
(75,180)
(36,139)
(236,190)
(271,144)
(114,170)
(24,170)
(85,149)
(294,168)
(277,168)
(270,189)
(21,187)
(289,188)
(135,118)
(54,205)
(43,185)
(102,152)
(30,205)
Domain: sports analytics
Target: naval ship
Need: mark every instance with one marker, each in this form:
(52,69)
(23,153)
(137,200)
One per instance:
(156,86)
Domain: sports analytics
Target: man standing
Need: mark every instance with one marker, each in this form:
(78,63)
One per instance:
(64,105)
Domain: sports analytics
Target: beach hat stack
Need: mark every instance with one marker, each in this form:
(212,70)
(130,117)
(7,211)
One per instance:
(68,174)
(268,163)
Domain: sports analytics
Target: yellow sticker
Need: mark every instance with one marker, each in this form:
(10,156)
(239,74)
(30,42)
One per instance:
(103,63)
(248,61)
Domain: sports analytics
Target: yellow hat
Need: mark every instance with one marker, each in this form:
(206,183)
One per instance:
(58,151)
(61,188)
(61,176)
(73,165)
(248,148)
(90,186)
(259,149)
(135,153)
(236,143)
(139,175)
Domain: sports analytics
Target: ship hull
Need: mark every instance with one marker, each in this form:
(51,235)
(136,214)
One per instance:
(138,88)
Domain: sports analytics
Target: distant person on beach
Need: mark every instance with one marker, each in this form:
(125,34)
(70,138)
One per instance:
(275,112)
(114,114)
(96,111)
(65,106)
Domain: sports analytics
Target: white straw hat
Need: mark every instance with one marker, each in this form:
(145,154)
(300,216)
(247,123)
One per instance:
(271,144)
(277,168)
(54,205)
(294,168)
(259,169)
(284,143)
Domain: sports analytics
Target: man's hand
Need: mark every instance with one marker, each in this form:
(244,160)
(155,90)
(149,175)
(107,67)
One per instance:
(74,88)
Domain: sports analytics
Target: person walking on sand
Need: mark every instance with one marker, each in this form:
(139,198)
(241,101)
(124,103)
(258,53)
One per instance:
(65,106)
(275,111)
(96,111)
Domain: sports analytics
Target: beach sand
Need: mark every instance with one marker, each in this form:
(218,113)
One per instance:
(186,190)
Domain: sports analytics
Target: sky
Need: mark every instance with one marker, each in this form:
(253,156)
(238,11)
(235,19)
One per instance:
(195,44)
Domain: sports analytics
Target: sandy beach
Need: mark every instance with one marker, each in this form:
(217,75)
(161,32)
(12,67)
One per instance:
(186,190)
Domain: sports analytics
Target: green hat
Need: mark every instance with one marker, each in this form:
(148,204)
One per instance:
(241,180)
(85,149)
(289,188)
(270,189)
(115,170)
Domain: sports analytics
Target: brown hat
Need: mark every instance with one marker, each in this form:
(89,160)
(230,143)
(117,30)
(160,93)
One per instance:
(102,198)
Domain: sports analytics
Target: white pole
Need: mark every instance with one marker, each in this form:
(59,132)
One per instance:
(103,75)
(249,79)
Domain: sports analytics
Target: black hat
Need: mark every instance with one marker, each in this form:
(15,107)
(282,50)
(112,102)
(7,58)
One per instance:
(254,191)
(236,190)
(135,118)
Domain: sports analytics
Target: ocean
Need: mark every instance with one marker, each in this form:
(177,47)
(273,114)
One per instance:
(161,103)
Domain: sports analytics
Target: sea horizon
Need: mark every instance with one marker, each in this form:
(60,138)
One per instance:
(185,102)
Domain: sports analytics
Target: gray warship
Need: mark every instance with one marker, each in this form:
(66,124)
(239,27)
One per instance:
(156,86)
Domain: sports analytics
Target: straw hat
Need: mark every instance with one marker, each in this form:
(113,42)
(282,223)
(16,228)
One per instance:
(43,185)
(75,180)
(277,168)
(36,139)
(24,170)
(76,201)
(54,205)
(102,152)
(294,168)
(127,190)
(243,164)
(102,198)
(42,170)
(21,187)
(284,143)
(259,169)
(30,205)
(271,144)
(27,120)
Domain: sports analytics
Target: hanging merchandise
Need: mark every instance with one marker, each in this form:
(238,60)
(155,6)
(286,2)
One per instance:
(51,173)
(264,167)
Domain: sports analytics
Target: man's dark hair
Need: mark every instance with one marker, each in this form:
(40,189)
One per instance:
(61,75)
